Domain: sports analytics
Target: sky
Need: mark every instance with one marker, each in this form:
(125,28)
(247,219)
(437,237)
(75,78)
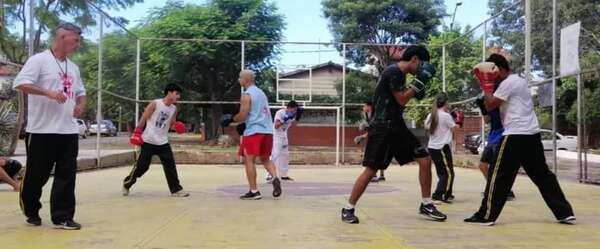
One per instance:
(305,22)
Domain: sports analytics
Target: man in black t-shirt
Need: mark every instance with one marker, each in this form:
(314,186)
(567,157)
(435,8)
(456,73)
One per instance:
(389,137)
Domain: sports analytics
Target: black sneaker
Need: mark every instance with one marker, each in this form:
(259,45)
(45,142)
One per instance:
(287,178)
(348,216)
(437,200)
(511,196)
(251,196)
(476,219)
(67,225)
(569,220)
(34,221)
(276,187)
(382,179)
(431,212)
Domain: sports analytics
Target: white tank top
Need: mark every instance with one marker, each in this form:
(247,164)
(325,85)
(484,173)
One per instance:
(157,127)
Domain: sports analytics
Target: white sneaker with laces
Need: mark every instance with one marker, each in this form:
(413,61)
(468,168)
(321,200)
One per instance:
(180,193)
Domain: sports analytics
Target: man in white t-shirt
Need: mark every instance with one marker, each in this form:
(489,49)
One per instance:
(55,95)
(520,146)
(283,120)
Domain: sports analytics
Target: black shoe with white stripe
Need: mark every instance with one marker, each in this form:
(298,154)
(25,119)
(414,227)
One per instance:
(429,211)
(251,196)
(477,219)
(569,220)
(67,225)
(348,216)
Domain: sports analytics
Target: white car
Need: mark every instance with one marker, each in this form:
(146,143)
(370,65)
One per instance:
(562,142)
(83,130)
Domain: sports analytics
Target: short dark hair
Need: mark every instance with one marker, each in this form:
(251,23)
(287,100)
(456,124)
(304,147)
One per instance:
(292,104)
(68,26)
(415,50)
(172,87)
(368,102)
(499,61)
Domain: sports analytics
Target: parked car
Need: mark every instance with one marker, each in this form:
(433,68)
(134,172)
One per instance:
(83,129)
(472,143)
(106,128)
(562,142)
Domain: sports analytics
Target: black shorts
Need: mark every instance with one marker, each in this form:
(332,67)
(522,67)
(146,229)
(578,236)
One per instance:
(384,144)
(487,156)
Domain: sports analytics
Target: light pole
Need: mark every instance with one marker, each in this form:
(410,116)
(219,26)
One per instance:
(459,3)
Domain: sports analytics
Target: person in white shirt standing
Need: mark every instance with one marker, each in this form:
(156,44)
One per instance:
(521,145)
(158,117)
(55,95)
(440,127)
(283,120)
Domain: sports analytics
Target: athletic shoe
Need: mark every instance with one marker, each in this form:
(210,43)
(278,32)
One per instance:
(476,219)
(348,216)
(375,179)
(34,221)
(450,198)
(431,212)
(511,196)
(276,187)
(437,200)
(125,191)
(287,178)
(251,196)
(67,225)
(269,179)
(180,193)
(569,220)
(381,179)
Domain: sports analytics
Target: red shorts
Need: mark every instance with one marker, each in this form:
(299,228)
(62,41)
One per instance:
(256,145)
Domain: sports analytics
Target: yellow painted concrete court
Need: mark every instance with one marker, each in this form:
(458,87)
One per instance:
(307,216)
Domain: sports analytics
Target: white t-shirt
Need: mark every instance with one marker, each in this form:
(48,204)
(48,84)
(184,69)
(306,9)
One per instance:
(518,116)
(443,132)
(46,115)
(281,132)
(157,127)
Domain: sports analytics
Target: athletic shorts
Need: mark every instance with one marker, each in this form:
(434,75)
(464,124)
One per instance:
(487,156)
(256,145)
(387,143)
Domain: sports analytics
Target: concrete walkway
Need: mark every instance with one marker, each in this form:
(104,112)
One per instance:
(306,216)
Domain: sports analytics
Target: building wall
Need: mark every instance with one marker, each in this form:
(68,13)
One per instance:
(323,82)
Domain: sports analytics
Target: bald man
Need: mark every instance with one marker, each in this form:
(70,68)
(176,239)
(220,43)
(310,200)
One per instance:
(55,95)
(257,140)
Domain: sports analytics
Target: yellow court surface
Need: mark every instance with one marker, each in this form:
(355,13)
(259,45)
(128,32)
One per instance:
(306,216)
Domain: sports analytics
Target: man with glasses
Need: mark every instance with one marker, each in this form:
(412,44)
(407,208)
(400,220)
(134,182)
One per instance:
(55,95)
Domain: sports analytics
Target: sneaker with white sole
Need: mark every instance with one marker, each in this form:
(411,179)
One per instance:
(67,225)
(125,191)
(429,211)
(251,196)
(180,193)
(569,220)
(348,216)
(477,219)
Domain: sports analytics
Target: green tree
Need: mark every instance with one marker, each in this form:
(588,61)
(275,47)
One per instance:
(360,87)
(48,15)
(390,22)
(208,70)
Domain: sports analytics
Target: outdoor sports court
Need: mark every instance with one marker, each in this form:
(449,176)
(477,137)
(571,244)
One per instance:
(306,216)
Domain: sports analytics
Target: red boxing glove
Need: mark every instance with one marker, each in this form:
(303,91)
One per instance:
(460,118)
(136,138)
(179,127)
(487,74)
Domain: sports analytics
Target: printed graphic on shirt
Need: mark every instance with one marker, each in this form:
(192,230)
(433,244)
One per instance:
(67,84)
(161,121)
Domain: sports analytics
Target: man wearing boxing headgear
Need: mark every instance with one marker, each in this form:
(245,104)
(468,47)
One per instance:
(521,144)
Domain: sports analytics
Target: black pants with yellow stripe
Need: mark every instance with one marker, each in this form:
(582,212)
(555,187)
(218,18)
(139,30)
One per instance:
(515,151)
(445,171)
(165,154)
(45,152)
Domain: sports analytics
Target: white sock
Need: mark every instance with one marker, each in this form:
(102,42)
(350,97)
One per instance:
(349,206)
(254,191)
(427,200)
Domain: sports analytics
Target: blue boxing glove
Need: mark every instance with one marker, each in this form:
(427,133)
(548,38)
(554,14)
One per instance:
(299,113)
(226,120)
(425,73)
(288,116)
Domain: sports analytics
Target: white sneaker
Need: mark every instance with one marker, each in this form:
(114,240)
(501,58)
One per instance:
(125,191)
(180,193)
(569,220)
